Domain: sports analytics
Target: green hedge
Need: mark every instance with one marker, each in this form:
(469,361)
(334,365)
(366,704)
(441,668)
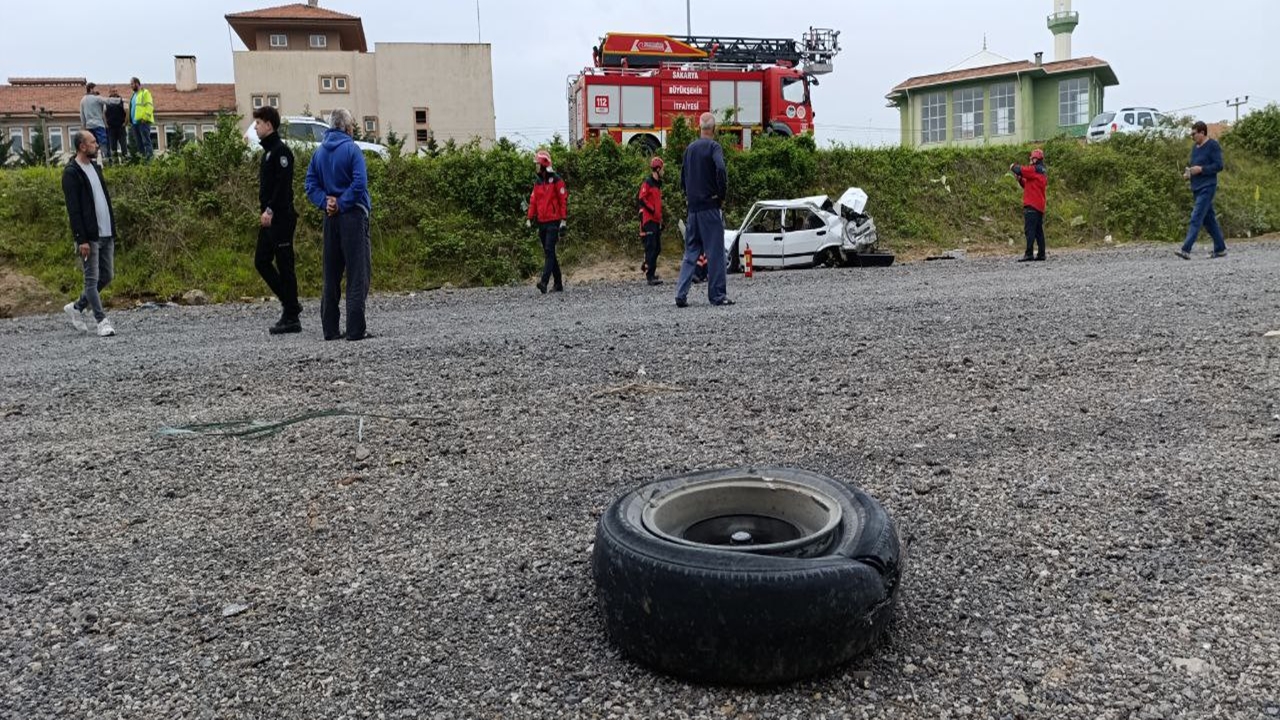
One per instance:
(189,220)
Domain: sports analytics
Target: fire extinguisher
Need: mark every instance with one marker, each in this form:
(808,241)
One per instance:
(746,262)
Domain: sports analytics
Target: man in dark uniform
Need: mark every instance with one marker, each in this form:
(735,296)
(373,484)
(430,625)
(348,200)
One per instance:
(650,202)
(705,187)
(274,257)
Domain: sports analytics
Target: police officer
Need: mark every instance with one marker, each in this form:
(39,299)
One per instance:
(650,202)
(274,257)
(547,208)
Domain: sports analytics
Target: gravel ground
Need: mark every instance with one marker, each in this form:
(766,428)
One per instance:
(1082,453)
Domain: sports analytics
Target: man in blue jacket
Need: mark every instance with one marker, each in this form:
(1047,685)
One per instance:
(1206,163)
(705,186)
(337,183)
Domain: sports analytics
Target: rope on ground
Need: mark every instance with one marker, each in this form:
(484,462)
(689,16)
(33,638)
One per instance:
(254,428)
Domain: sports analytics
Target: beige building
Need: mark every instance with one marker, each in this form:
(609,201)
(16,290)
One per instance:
(308,60)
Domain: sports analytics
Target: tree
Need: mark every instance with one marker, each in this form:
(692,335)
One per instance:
(7,153)
(36,155)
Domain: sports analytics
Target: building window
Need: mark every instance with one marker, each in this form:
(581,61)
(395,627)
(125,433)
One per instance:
(274,101)
(333,83)
(371,124)
(189,132)
(55,140)
(933,118)
(279,41)
(319,41)
(421,116)
(422,136)
(15,139)
(1073,102)
(966,123)
(71,138)
(207,130)
(258,101)
(1002,109)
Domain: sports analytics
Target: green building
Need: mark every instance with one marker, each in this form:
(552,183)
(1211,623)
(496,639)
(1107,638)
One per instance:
(988,99)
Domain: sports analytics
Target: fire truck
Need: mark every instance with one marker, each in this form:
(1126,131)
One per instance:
(639,84)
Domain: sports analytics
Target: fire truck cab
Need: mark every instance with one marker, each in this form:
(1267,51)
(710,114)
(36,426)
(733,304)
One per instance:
(639,84)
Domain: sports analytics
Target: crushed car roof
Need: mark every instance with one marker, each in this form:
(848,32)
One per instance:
(817,200)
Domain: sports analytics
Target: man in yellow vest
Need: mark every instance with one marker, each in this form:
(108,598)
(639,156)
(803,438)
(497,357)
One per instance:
(142,115)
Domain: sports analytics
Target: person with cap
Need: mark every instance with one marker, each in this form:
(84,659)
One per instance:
(650,202)
(92,108)
(548,206)
(1206,163)
(1033,178)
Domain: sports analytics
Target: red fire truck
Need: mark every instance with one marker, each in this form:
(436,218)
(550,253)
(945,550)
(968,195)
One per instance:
(640,83)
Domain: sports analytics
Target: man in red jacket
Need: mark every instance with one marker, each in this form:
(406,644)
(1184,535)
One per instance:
(1033,180)
(650,202)
(547,206)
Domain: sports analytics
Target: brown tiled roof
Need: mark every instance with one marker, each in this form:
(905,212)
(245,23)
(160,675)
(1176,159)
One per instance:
(1021,66)
(296,11)
(206,99)
(299,15)
(48,81)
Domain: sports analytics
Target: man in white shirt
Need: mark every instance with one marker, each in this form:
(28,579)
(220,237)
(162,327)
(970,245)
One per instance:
(92,231)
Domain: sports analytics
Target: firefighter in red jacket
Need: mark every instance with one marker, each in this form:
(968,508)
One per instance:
(547,206)
(650,202)
(1033,179)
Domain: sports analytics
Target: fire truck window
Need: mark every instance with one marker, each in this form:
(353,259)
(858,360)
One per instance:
(767,221)
(794,90)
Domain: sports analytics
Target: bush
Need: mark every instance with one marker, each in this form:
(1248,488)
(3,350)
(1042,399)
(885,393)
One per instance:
(1258,132)
(189,219)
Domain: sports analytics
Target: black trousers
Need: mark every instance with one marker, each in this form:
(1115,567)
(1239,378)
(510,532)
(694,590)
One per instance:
(346,250)
(549,235)
(274,261)
(1033,223)
(117,144)
(652,237)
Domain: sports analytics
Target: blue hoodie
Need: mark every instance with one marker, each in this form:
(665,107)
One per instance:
(337,169)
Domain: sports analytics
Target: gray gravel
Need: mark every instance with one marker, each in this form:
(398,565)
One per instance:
(1084,454)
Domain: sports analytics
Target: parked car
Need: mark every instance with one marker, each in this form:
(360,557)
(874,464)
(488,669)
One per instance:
(807,232)
(305,132)
(1134,120)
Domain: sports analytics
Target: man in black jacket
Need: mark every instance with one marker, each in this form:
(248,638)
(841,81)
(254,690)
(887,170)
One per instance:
(278,219)
(92,230)
(116,114)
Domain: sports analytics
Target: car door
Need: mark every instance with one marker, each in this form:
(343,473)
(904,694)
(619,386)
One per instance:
(804,232)
(763,234)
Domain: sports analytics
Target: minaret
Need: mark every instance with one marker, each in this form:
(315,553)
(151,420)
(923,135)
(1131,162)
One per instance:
(1062,23)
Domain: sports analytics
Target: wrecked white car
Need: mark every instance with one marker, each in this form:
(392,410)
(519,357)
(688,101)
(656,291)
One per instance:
(807,232)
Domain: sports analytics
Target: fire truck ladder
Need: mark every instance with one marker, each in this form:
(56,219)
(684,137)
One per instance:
(814,52)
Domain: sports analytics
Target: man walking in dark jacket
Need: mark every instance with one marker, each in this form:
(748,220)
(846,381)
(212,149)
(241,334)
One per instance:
(650,202)
(116,115)
(1033,178)
(274,257)
(1206,163)
(92,231)
(705,185)
(338,184)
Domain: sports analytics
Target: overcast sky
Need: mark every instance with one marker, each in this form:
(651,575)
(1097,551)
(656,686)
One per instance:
(1177,55)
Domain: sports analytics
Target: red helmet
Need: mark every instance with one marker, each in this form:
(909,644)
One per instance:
(543,158)
(1037,154)
(656,163)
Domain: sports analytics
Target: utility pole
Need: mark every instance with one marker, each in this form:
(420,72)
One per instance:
(688,18)
(1236,103)
(479,37)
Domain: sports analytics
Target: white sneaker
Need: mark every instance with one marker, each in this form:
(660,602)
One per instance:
(105,329)
(77,318)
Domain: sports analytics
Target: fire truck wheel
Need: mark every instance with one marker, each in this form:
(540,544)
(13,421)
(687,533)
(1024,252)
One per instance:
(746,576)
(647,144)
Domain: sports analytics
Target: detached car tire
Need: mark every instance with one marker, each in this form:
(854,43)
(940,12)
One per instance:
(746,576)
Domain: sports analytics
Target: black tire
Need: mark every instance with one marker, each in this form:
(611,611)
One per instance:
(873,259)
(736,616)
(829,257)
(647,144)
